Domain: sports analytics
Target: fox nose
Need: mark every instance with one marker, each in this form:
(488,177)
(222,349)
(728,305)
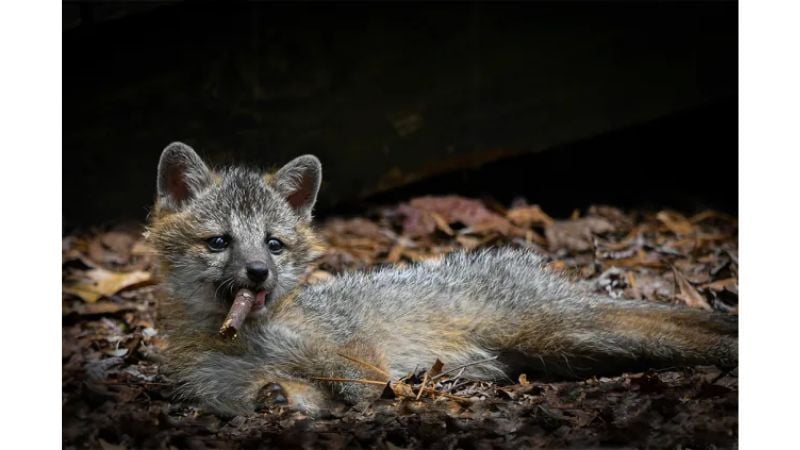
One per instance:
(257,271)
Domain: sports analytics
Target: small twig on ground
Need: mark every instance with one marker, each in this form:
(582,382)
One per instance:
(456,398)
(455,380)
(473,363)
(422,386)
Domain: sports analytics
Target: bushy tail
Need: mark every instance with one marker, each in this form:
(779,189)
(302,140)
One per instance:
(611,336)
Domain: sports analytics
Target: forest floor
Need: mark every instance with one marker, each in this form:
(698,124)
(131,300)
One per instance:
(114,397)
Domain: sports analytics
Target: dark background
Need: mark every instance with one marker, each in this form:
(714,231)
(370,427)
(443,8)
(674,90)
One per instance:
(565,104)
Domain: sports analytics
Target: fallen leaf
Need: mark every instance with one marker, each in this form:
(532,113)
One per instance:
(420,216)
(731,284)
(689,294)
(676,222)
(395,253)
(442,224)
(468,242)
(403,390)
(576,234)
(112,248)
(96,283)
(436,368)
(529,215)
(101,308)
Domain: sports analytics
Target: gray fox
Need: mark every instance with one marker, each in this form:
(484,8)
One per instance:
(215,232)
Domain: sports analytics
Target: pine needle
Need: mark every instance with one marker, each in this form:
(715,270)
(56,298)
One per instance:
(350,380)
(365,364)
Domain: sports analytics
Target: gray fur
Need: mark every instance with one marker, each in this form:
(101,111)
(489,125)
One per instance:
(465,307)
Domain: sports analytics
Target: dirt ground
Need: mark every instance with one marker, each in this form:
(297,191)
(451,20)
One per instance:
(114,397)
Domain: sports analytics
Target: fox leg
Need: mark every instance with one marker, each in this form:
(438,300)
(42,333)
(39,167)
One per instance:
(362,364)
(350,372)
(234,385)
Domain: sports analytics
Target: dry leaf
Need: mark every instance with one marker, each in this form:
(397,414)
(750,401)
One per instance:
(436,368)
(395,253)
(403,390)
(441,224)
(99,308)
(689,294)
(576,234)
(112,248)
(468,242)
(527,216)
(420,216)
(730,284)
(96,283)
(676,223)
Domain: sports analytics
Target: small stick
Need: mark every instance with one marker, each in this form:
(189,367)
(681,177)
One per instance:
(382,383)
(455,380)
(473,363)
(422,386)
(242,304)
(365,364)
(462,400)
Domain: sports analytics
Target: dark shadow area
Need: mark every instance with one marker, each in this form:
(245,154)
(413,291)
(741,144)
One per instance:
(686,161)
(564,103)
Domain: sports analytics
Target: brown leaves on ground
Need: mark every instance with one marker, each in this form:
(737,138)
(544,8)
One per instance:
(423,215)
(85,262)
(578,234)
(689,294)
(92,284)
(114,396)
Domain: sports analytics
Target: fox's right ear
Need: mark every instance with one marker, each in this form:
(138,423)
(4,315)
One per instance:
(182,175)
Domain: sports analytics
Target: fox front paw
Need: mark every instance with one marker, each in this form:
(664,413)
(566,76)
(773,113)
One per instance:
(294,395)
(272,394)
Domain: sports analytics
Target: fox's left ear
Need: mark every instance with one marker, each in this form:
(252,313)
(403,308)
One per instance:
(298,181)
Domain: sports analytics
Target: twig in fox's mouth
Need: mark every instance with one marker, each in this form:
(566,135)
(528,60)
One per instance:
(242,304)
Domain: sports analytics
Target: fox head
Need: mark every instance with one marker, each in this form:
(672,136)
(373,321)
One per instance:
(218,231)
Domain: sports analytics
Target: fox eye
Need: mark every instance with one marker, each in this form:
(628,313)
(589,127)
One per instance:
(218,243)
(275,246)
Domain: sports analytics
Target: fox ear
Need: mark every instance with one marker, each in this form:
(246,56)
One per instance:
(298,181)
(182,175)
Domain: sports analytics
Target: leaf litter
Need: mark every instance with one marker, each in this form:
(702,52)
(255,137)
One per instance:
(115,397)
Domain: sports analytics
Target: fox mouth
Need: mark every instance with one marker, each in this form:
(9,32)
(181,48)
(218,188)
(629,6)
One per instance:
(260,300)
(227,292)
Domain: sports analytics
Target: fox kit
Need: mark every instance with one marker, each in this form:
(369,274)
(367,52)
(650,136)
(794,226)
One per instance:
(216,232)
